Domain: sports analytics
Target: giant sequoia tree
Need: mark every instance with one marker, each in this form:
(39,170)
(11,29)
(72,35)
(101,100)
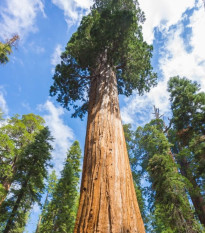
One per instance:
(106,56)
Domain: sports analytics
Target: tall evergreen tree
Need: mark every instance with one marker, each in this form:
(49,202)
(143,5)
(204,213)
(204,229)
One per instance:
(172,211)
(52,182)
(60,213)
(15,136)
(106,56)
(188,136)
(28,182)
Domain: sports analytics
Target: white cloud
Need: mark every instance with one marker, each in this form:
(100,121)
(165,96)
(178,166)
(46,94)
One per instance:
(175,59)
(138,109)
(162,13)
(73,9)
(36,48)
(26,105)
(63,134)
(55,58)
(36,208)
(3,104)
(19,17)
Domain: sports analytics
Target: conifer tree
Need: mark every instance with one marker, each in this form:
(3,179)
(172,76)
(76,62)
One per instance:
(188,136)
(106,56)
(172,211)
(28,182)
(52,181)
(60,213)
(15,136)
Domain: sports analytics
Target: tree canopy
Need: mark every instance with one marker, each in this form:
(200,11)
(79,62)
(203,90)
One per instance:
(111,33)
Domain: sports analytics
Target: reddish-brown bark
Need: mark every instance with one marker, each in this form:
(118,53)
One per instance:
(108,202)
(6,186)
(7,181)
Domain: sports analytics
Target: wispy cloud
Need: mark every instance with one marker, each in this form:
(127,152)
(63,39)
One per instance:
(3,104)
(55,57)
(19,17)
(162,14)
(175,59)
(138,109)
(37,49)
(73,9)
(63,134)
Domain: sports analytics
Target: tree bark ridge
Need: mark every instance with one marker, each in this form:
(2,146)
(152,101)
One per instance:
(108,201)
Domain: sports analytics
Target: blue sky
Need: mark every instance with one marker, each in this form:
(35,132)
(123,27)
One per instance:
(175,28)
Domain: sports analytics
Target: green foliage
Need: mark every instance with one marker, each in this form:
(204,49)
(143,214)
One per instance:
(187,135)
(110,35)
(188,107)
(15,136)
(28,182)
(172,211)
(187,104)
(24,157)
(59,215)
(134,163)
(5,49)
(52,182)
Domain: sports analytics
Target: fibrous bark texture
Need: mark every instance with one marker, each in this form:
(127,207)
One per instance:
(108,201)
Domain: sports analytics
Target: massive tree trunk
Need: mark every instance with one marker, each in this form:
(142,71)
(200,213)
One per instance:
(108,202)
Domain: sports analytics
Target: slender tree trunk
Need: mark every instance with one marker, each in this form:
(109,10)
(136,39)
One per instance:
(39,223)
(108,202)
(194,192)
(9,224)
(40,217)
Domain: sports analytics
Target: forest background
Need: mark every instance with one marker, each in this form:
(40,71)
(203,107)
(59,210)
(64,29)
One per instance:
(175,29)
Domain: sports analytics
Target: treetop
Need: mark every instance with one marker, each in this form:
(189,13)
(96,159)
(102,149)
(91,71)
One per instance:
(111,34)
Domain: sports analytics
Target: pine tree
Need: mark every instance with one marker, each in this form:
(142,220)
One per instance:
(28,182)
(106,56)
(52,182)
(60,213)
(15,136)
(188,136)
(172,211)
